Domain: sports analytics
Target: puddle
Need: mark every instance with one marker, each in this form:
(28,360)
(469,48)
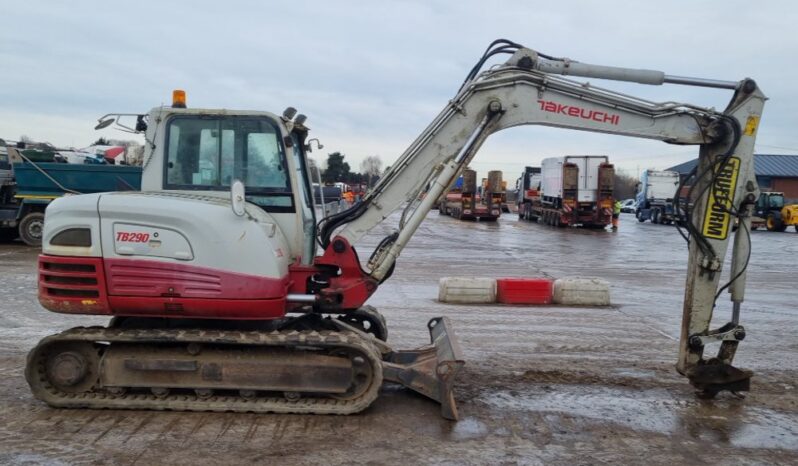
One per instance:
(635,373)
(638,412)
(657,411)
(468,428)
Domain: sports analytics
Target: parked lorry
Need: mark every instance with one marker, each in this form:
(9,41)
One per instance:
(465,202)
(773,213)
(498,188)
(574,190)
(655,194)
(27,186)
(528,189)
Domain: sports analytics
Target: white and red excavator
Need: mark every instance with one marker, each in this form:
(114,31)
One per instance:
(220,302)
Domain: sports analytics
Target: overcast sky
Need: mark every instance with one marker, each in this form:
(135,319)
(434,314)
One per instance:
(371,75)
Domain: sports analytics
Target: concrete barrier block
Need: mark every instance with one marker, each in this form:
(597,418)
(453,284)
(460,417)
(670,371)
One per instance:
(582,291)
(467,290)
(524,290)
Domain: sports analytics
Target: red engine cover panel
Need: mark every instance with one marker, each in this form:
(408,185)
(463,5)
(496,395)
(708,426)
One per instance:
(136,277)
(133,287)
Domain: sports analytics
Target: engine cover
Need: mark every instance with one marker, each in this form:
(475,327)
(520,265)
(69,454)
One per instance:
(168,254)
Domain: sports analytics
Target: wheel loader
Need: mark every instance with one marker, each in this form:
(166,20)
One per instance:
(772,212)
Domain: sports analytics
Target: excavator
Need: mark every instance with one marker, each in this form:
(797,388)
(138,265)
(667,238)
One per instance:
(225,293)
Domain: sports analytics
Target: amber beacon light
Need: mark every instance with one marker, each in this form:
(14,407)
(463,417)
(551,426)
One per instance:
(179,98)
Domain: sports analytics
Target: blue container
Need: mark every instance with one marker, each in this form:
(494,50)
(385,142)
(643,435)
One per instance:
(83,178)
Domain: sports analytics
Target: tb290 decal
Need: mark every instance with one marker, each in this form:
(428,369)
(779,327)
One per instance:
(126,237)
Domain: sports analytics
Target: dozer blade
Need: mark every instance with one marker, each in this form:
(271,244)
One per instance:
(429,370)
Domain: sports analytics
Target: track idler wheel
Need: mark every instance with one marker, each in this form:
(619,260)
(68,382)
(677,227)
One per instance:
(368,320)
(70,367)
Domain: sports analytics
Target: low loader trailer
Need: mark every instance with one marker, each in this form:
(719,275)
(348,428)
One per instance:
(464,202)
(569,191)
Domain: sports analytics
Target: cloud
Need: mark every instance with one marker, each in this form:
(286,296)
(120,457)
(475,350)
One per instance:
(371,75)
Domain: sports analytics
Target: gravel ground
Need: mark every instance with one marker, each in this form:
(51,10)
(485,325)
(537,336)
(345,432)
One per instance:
(542,385)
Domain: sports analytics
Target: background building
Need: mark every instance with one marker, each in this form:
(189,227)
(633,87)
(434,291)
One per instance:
(774,172)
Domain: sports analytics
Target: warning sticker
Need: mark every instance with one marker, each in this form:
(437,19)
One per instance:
(751,124)
(721,195)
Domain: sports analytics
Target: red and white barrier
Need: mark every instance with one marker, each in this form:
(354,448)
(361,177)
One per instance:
(528,291)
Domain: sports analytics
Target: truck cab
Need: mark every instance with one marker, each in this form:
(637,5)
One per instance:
(655,194)
(7,206)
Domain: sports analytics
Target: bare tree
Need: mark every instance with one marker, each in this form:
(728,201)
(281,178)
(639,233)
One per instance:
(371,166)
(625,186)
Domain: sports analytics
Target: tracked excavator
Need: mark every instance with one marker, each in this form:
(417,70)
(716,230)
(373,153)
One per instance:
(226,294)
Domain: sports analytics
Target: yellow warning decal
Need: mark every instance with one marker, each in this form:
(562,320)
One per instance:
(751,124)
(32,196)
(721,195)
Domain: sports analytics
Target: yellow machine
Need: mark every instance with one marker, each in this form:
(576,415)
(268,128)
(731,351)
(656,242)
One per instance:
(774,214)
(789,216)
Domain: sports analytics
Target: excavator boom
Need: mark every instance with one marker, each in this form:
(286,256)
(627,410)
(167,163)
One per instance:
(525,91)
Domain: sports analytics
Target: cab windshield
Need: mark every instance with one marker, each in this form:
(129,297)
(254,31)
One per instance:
(209,153)
(776,201)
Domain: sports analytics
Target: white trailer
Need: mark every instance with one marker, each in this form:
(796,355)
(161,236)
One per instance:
(660,184)
(574,190)
(588,175)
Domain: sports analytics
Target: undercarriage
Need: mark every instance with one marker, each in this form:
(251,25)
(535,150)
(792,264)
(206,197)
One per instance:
(301,365)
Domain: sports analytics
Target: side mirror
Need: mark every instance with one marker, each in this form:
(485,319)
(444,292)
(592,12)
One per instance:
(104,123)
(309,148)
(237,198)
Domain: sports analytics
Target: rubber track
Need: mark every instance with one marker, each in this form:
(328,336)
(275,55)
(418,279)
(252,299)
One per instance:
(43,390)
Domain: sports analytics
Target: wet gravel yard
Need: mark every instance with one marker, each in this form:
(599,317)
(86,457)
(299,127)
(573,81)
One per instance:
(542,385)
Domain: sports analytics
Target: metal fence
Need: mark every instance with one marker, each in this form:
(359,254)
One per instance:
(333,207)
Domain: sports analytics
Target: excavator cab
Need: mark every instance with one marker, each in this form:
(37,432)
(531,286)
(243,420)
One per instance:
(207,152)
